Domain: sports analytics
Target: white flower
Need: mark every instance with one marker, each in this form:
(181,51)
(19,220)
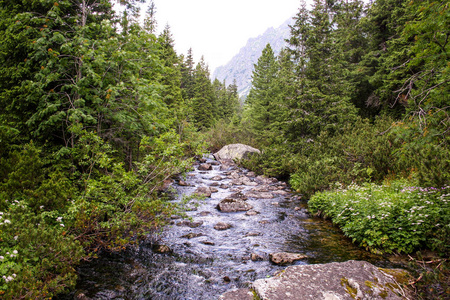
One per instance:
(16,237)
(41,207)
(58,219)
(7,221)
(15,252)
(2,257)
(62,225)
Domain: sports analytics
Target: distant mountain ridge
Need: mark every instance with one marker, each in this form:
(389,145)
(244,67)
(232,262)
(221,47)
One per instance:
(240,67)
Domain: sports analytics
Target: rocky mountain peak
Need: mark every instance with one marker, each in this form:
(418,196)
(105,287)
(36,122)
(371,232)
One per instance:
(240,67)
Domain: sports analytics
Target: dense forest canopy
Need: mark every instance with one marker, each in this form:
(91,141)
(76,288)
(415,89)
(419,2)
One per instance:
(97,112)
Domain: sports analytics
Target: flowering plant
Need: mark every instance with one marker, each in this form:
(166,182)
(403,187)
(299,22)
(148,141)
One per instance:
(392,217)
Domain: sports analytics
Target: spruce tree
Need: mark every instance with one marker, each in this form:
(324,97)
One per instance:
(204,106)
(259,105)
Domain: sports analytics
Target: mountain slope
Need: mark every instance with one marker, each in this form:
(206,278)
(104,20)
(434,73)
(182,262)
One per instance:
(240,67)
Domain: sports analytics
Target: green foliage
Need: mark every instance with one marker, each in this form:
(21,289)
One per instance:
(225,132)
(364,152)
(92,127)
(395,217)
(37,254)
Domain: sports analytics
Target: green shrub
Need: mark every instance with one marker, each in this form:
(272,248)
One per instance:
(225,132)
(396,217)
(364,152)
(37,254)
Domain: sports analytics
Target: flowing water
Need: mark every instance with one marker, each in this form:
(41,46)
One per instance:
(204,262)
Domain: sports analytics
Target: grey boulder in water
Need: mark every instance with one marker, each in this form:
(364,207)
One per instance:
(235,152)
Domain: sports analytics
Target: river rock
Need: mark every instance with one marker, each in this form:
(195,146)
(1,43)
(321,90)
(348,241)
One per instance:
(248,182)
(192,235)
(222,226)
(252,213)
(203,191)
(183,183)
(238,195)
(233,205)
(333,281)
(282,258)
(235,151)
(161,249)
(209,243)
(259,195)
(217,178)
(213,190)
(281,192)
(224,186)
(237,294)
(190,224)
(236,182)
(205,167)
(256,257)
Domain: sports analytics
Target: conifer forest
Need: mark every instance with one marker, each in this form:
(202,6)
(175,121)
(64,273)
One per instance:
(98,112)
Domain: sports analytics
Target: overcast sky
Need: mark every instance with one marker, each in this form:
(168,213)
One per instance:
(217,29)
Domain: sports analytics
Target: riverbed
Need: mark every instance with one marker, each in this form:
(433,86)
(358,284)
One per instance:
(193,258)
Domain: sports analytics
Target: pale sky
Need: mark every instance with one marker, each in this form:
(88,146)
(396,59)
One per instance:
(218,29)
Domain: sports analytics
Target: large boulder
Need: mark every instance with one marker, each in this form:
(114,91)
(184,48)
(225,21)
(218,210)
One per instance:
(333,281)
(235,152)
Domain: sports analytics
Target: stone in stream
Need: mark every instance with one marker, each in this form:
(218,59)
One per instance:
(238,294)
(224,186)
(283,258)
(183,183)
(334,281)
(233,205)
(235,151)
(237,181)
(190,224)
(256,257)
(192,235)
(222,226)
(281,192)
(253,234)
(247,181)
(161,249)
(251,174)
(234,175)
(238,195)
(208,243)
(260,195)
(213,190)
(214,184)
(205,167)
(203,191)
(252,213)
(217,178)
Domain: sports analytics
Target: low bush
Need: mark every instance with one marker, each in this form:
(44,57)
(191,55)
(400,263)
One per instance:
(396,217)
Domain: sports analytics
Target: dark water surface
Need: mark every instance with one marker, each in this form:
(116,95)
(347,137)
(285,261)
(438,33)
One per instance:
(206,266)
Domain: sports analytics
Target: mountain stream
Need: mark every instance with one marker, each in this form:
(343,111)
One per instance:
(198,258)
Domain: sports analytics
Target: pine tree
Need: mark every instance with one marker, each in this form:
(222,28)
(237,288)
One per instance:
(259,106)
(171,74)
(204,106)
(150,22)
